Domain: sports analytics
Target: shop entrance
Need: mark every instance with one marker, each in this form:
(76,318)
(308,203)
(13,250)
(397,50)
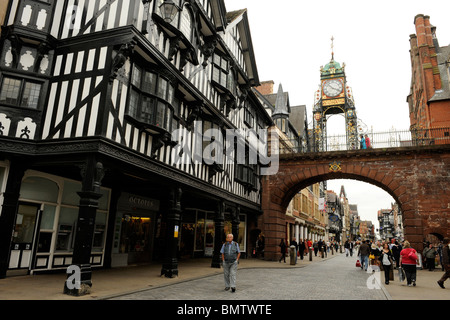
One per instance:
(137,238)
(24,236)
(197,234)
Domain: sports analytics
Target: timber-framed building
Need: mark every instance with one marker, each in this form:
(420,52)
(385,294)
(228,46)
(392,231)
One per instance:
(95,98)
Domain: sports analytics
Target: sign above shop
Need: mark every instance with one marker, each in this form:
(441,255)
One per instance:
(131,201)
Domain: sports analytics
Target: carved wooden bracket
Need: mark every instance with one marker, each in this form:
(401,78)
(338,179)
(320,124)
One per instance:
(160,141)
(195,111)
(208,48)
(121,57)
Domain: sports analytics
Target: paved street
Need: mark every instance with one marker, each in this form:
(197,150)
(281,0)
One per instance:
(331,279)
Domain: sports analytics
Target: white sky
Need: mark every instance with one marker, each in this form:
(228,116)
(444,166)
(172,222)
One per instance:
(292,40)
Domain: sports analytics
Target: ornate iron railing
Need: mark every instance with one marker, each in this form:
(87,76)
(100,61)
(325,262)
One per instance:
(378,140)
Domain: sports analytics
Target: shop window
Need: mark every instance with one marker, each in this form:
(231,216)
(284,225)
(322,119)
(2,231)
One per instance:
(70,196)
(98,241)
(48,217)
(2,177)
(135,234)
(151,99)
(20,93)
(66,229)
(39,189)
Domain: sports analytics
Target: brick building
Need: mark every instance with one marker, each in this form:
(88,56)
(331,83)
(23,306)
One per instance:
(429,99)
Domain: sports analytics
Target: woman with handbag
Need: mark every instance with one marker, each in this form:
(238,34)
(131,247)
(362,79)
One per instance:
(408,261)
(387,263)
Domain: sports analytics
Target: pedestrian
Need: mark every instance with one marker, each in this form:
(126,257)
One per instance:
(301,249)
(283,250)
(347,248)
(362,143)
(408,261)
(295,244)
(396,249)
(316,247)
(363,252)
(230,256)
(439,250)
(320,245)
(351,248)
(430,255)
(387,263)
(309,245)
(445,262)
(367,141)
(260,244)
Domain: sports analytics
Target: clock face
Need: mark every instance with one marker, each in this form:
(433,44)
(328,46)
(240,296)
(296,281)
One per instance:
(333,88)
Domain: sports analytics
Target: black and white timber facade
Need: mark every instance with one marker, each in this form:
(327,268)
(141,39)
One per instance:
(94,98)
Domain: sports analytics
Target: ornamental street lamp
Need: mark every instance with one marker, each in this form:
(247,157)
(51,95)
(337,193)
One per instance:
(169,10)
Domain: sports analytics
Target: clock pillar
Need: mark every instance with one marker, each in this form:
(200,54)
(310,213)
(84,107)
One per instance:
(334,97)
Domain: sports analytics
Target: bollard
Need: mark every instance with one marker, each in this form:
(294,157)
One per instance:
(332,251)
(292,254)
(310,253)
(321,253)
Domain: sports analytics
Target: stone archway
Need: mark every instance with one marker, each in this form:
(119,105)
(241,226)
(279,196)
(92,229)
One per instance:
(418,180)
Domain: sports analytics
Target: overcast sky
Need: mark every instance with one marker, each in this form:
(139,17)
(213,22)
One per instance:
(292,40)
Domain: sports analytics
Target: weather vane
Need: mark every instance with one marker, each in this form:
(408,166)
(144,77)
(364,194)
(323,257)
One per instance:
(332,48)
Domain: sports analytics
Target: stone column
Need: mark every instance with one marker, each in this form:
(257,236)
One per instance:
(218,238)
(170,265)
(92,173)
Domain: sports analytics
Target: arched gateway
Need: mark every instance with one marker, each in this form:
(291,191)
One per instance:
(418,178)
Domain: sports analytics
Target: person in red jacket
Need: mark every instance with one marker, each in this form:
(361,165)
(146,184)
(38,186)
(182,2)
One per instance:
(368,145)
(408,261)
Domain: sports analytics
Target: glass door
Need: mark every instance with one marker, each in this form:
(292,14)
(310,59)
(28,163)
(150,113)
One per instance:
(24,235)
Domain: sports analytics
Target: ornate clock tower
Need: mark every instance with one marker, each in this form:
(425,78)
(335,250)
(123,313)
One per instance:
(334,97)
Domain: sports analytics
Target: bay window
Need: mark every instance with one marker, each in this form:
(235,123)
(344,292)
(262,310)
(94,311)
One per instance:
(222,74)
(151,99)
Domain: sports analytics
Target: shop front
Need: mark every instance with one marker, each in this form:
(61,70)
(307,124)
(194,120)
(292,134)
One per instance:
(198,233)
(134,231)
(46,224)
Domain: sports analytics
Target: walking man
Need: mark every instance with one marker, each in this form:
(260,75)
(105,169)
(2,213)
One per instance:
(364,251)
(445,262)
(230,256)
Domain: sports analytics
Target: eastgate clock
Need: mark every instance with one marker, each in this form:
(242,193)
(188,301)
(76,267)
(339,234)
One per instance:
(333,88)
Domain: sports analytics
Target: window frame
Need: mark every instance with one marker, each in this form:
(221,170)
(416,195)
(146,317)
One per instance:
(155,96)
(21,91)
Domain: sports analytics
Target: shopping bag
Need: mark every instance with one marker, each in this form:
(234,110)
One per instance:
(391,274)
(401,274)
(358,264)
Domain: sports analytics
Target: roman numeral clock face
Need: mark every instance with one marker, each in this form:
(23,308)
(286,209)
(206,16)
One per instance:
(333,88)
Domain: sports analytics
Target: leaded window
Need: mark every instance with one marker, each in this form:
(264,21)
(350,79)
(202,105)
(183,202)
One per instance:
(20,93)
(151,98)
